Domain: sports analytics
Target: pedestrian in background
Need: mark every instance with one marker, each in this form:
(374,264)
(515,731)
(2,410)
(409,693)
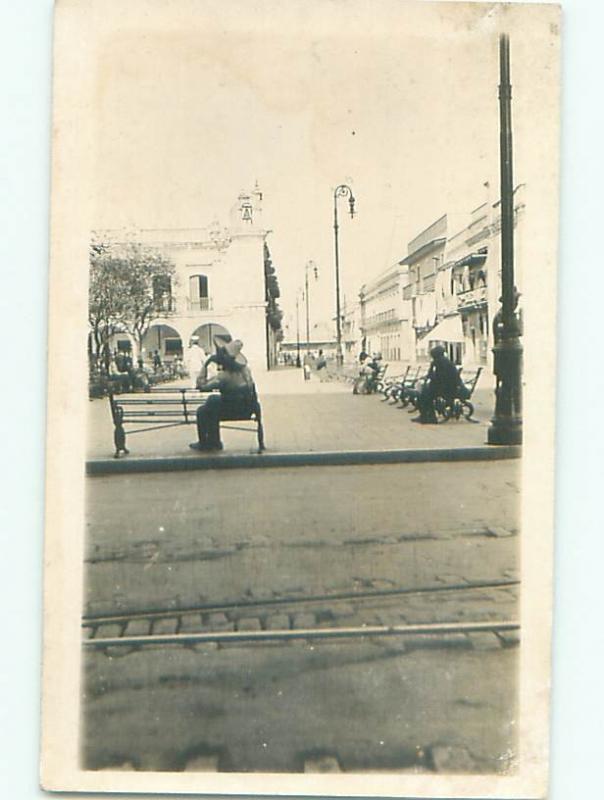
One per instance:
(307,366)
(321,366)
(195,359)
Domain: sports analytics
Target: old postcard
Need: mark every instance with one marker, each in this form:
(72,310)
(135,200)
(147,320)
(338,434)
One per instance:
(301,398)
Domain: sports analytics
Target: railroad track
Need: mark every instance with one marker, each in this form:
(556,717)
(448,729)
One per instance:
(282,619)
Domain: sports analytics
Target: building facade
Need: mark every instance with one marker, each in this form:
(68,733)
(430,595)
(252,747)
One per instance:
(445,291)
(384,316)
(219,286)
(352,330)
(425,254)
(468,283)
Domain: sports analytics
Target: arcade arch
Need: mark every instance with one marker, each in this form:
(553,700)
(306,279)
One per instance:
(163,338)
(205,335)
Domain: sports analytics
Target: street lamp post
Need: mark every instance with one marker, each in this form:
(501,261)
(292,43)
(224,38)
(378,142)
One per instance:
(309,265)
(341,191)
(506,424)
(298,362)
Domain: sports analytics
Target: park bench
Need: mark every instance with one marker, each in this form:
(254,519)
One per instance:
(460,405)
(448,408)
(380,379)
(408,387)
(169,408)
(391,385)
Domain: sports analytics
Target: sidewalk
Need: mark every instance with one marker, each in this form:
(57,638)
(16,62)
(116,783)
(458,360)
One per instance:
(305,417)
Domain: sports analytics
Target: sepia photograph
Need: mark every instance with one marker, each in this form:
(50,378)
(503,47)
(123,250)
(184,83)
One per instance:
(301,398)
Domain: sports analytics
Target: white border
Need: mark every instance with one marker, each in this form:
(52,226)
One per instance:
(577,701)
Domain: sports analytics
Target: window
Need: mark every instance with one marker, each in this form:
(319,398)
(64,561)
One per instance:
(173,347)
(199,296)
(162,292)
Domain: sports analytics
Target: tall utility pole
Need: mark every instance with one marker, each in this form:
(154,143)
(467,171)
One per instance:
(341,191)
(506,424)
(309,265)
(298,362)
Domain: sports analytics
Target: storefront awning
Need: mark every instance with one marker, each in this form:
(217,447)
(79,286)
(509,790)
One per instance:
(448,330)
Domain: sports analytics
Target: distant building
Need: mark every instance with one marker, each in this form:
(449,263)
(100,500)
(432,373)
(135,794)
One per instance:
(468,283)
(384,315)
(445,291)
(220,286)
(322,337)
(352,330)
(425,254)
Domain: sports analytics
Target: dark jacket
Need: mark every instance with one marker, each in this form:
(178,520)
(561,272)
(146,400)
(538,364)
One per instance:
(444,377)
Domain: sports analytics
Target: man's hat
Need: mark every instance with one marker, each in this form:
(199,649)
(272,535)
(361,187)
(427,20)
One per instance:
(232,348)
(439,350)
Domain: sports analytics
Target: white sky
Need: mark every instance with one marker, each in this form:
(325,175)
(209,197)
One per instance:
(408,117)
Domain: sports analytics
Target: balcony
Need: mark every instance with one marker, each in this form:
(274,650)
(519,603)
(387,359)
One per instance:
(165,304)
(199,304)
(473,298)
(429,282)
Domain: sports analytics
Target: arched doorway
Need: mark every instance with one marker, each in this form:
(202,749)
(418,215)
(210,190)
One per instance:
(205,335)
(163,338)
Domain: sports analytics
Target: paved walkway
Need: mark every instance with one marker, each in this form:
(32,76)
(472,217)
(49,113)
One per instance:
(304,417)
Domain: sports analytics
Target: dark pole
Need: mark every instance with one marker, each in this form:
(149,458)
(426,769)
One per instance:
(341,191)
(298,363)
(307,310)
(506,424)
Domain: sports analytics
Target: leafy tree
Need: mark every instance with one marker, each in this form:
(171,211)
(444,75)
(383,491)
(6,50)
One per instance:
(130,286)
(272,293)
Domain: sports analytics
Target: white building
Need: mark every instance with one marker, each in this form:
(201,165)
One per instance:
(385,315)
(445,291)
(218,286)
(352,330)
(468,283)
(424,257)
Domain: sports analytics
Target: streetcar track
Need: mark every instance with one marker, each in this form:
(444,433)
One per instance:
(308,634)
(283,619)
(273,602)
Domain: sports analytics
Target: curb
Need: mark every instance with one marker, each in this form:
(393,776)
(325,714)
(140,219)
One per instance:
(112,466)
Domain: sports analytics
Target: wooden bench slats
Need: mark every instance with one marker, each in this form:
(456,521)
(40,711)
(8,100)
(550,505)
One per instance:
(169,407)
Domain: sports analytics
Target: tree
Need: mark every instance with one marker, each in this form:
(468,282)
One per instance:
(274,315)
(130,285)
(272,292)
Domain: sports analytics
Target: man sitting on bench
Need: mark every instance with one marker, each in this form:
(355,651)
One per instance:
(443,380)
(237,398)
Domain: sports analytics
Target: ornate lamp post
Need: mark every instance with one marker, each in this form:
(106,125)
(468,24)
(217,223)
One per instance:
(312,266)
(506,424)
(341,191)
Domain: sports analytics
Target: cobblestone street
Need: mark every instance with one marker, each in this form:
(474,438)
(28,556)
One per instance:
(200,538)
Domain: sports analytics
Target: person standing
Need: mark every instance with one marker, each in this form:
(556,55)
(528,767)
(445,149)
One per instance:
(321,367)
(307,366)
(196,358)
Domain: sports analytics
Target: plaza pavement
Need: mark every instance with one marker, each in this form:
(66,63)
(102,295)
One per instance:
(306,417)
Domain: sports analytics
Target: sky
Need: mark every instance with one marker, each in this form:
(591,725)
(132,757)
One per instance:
(407,115)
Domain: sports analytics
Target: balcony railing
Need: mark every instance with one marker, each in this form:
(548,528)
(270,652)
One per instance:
(199,304)
(472,297)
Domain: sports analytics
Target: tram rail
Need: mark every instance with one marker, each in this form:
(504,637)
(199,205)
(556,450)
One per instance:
(192,624)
